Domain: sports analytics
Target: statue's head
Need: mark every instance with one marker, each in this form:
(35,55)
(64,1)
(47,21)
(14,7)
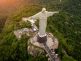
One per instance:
(43,9)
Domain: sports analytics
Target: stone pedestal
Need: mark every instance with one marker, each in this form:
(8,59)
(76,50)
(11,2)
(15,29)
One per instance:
(51,42)
(41,39)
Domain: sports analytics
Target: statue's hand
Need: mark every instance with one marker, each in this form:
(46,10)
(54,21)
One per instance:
(56,12)
(24,19)
(28,19)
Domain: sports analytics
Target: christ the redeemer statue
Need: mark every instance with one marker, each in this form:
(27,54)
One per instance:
(42,17)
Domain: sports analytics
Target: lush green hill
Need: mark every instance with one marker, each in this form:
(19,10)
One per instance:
(2,22)
(66,26)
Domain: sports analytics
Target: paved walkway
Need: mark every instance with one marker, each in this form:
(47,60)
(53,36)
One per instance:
(51,55)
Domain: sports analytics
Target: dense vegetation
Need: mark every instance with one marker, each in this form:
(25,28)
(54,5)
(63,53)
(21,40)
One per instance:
(66,26)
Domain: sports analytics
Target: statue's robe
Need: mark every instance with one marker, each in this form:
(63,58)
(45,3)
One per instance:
(42,17)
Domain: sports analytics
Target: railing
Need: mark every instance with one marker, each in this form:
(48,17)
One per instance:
(51,55)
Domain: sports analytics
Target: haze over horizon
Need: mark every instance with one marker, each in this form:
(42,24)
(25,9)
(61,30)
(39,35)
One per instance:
(7,6)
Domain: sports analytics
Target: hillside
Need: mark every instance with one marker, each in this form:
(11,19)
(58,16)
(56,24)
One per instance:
(66,26)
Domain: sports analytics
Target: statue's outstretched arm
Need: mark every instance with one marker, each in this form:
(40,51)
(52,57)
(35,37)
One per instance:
(34,18)
(52,13)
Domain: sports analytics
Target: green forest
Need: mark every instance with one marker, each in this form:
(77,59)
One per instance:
(66,26)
